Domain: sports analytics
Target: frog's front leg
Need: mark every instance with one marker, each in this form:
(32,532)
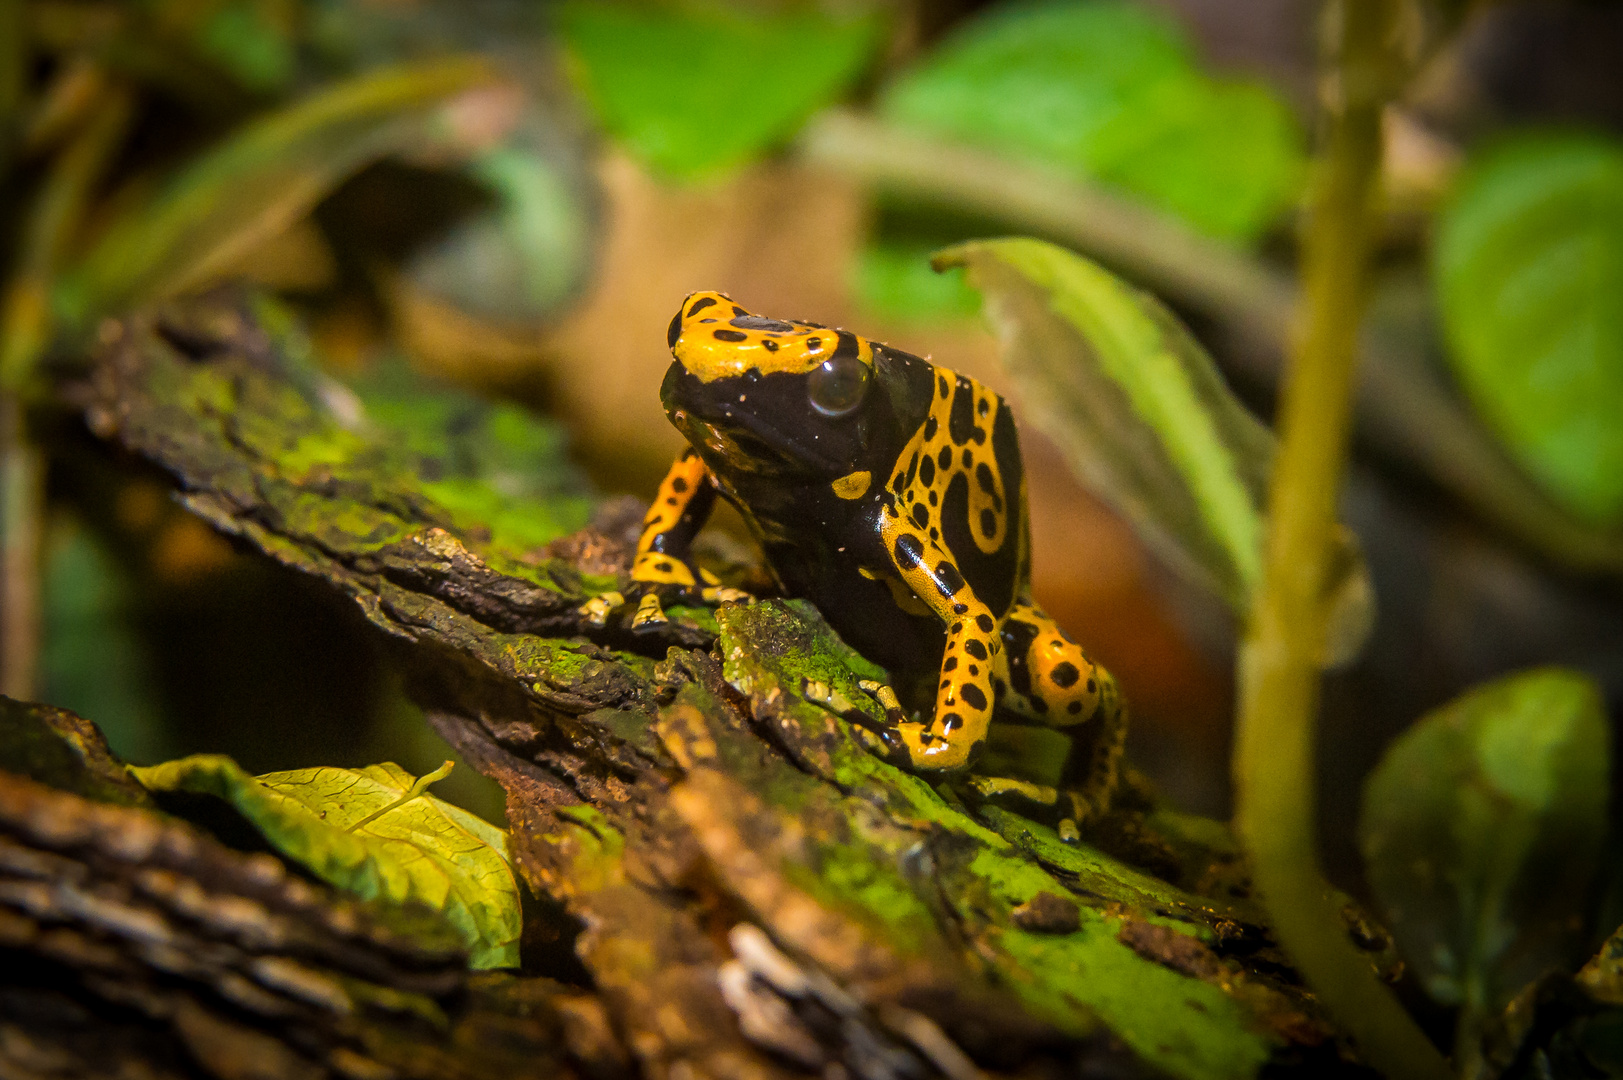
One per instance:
(954,733)
(664,562)
(1044,677)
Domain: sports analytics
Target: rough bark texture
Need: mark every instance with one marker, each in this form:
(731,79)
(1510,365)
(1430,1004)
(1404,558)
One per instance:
(758,895)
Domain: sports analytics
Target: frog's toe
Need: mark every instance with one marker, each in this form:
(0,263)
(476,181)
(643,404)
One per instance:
(1068,832)
(1018,795)
(597,610)
(821,693)
(895,715)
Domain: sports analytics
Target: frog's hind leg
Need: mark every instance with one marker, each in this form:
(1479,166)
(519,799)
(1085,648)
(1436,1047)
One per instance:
(1044,677)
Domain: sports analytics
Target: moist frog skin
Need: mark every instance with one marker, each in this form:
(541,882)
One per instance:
(889,492)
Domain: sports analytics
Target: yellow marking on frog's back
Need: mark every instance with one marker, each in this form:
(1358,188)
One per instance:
(714,338)
(933,460)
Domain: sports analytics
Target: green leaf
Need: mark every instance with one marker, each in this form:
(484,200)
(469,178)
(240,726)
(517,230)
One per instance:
(260,181)
(1481,829)
(697,90)
(1109,91)
(375,833)
(1529,273)
(1145,419)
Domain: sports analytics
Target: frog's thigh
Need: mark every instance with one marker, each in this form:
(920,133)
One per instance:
(964,700)
(1045,677)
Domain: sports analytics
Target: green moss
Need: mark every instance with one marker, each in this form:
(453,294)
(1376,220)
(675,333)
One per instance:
(1185,1026)
(515,527)
(853,878)
(596,847)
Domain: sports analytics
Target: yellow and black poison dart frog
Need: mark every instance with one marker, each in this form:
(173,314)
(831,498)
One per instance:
(889,492)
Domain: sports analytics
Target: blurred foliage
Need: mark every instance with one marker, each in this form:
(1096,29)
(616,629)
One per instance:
(377,833)
(523,258)
(1110,91)
(1529,268)
(254,186)
(1481,831)
(892,277)
(694,90)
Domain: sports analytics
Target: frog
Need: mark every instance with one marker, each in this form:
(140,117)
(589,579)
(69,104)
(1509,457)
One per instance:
(890,492)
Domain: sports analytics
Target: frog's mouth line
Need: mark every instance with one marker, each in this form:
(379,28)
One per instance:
(741,438)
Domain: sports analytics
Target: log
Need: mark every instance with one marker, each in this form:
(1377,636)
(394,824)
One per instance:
(757,895)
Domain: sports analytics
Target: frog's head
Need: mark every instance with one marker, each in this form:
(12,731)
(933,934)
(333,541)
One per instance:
(776,397)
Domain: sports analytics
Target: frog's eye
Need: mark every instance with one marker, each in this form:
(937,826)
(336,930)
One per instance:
(838,386)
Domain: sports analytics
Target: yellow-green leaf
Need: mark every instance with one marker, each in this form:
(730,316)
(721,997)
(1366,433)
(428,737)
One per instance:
(1145,420)
(270,174)
(374,832)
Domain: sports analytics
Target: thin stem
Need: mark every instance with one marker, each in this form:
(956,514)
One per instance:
(1279,666)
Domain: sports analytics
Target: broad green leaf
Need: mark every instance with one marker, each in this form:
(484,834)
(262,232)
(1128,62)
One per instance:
(1529,271)
(1145,420)
(376,833)
(1481,829)
(697,89)
(260,181)
(1109,90)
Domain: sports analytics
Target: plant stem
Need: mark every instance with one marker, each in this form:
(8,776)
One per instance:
(25,333)
(1274,764)
(22,498)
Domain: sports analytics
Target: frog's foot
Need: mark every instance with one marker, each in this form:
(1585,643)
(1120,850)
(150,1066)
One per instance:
(725,594)
(881,738)
(1018,795)
(1067,811)
(895,715)
(599,608)
(650,613)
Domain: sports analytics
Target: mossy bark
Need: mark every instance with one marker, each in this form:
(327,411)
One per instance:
(758,895)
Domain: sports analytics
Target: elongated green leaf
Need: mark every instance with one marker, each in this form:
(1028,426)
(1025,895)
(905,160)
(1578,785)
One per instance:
(1529,269)
(374,832)
(266,177)
(697,89)
(1109,90)
(1145,419)
(1481,829)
